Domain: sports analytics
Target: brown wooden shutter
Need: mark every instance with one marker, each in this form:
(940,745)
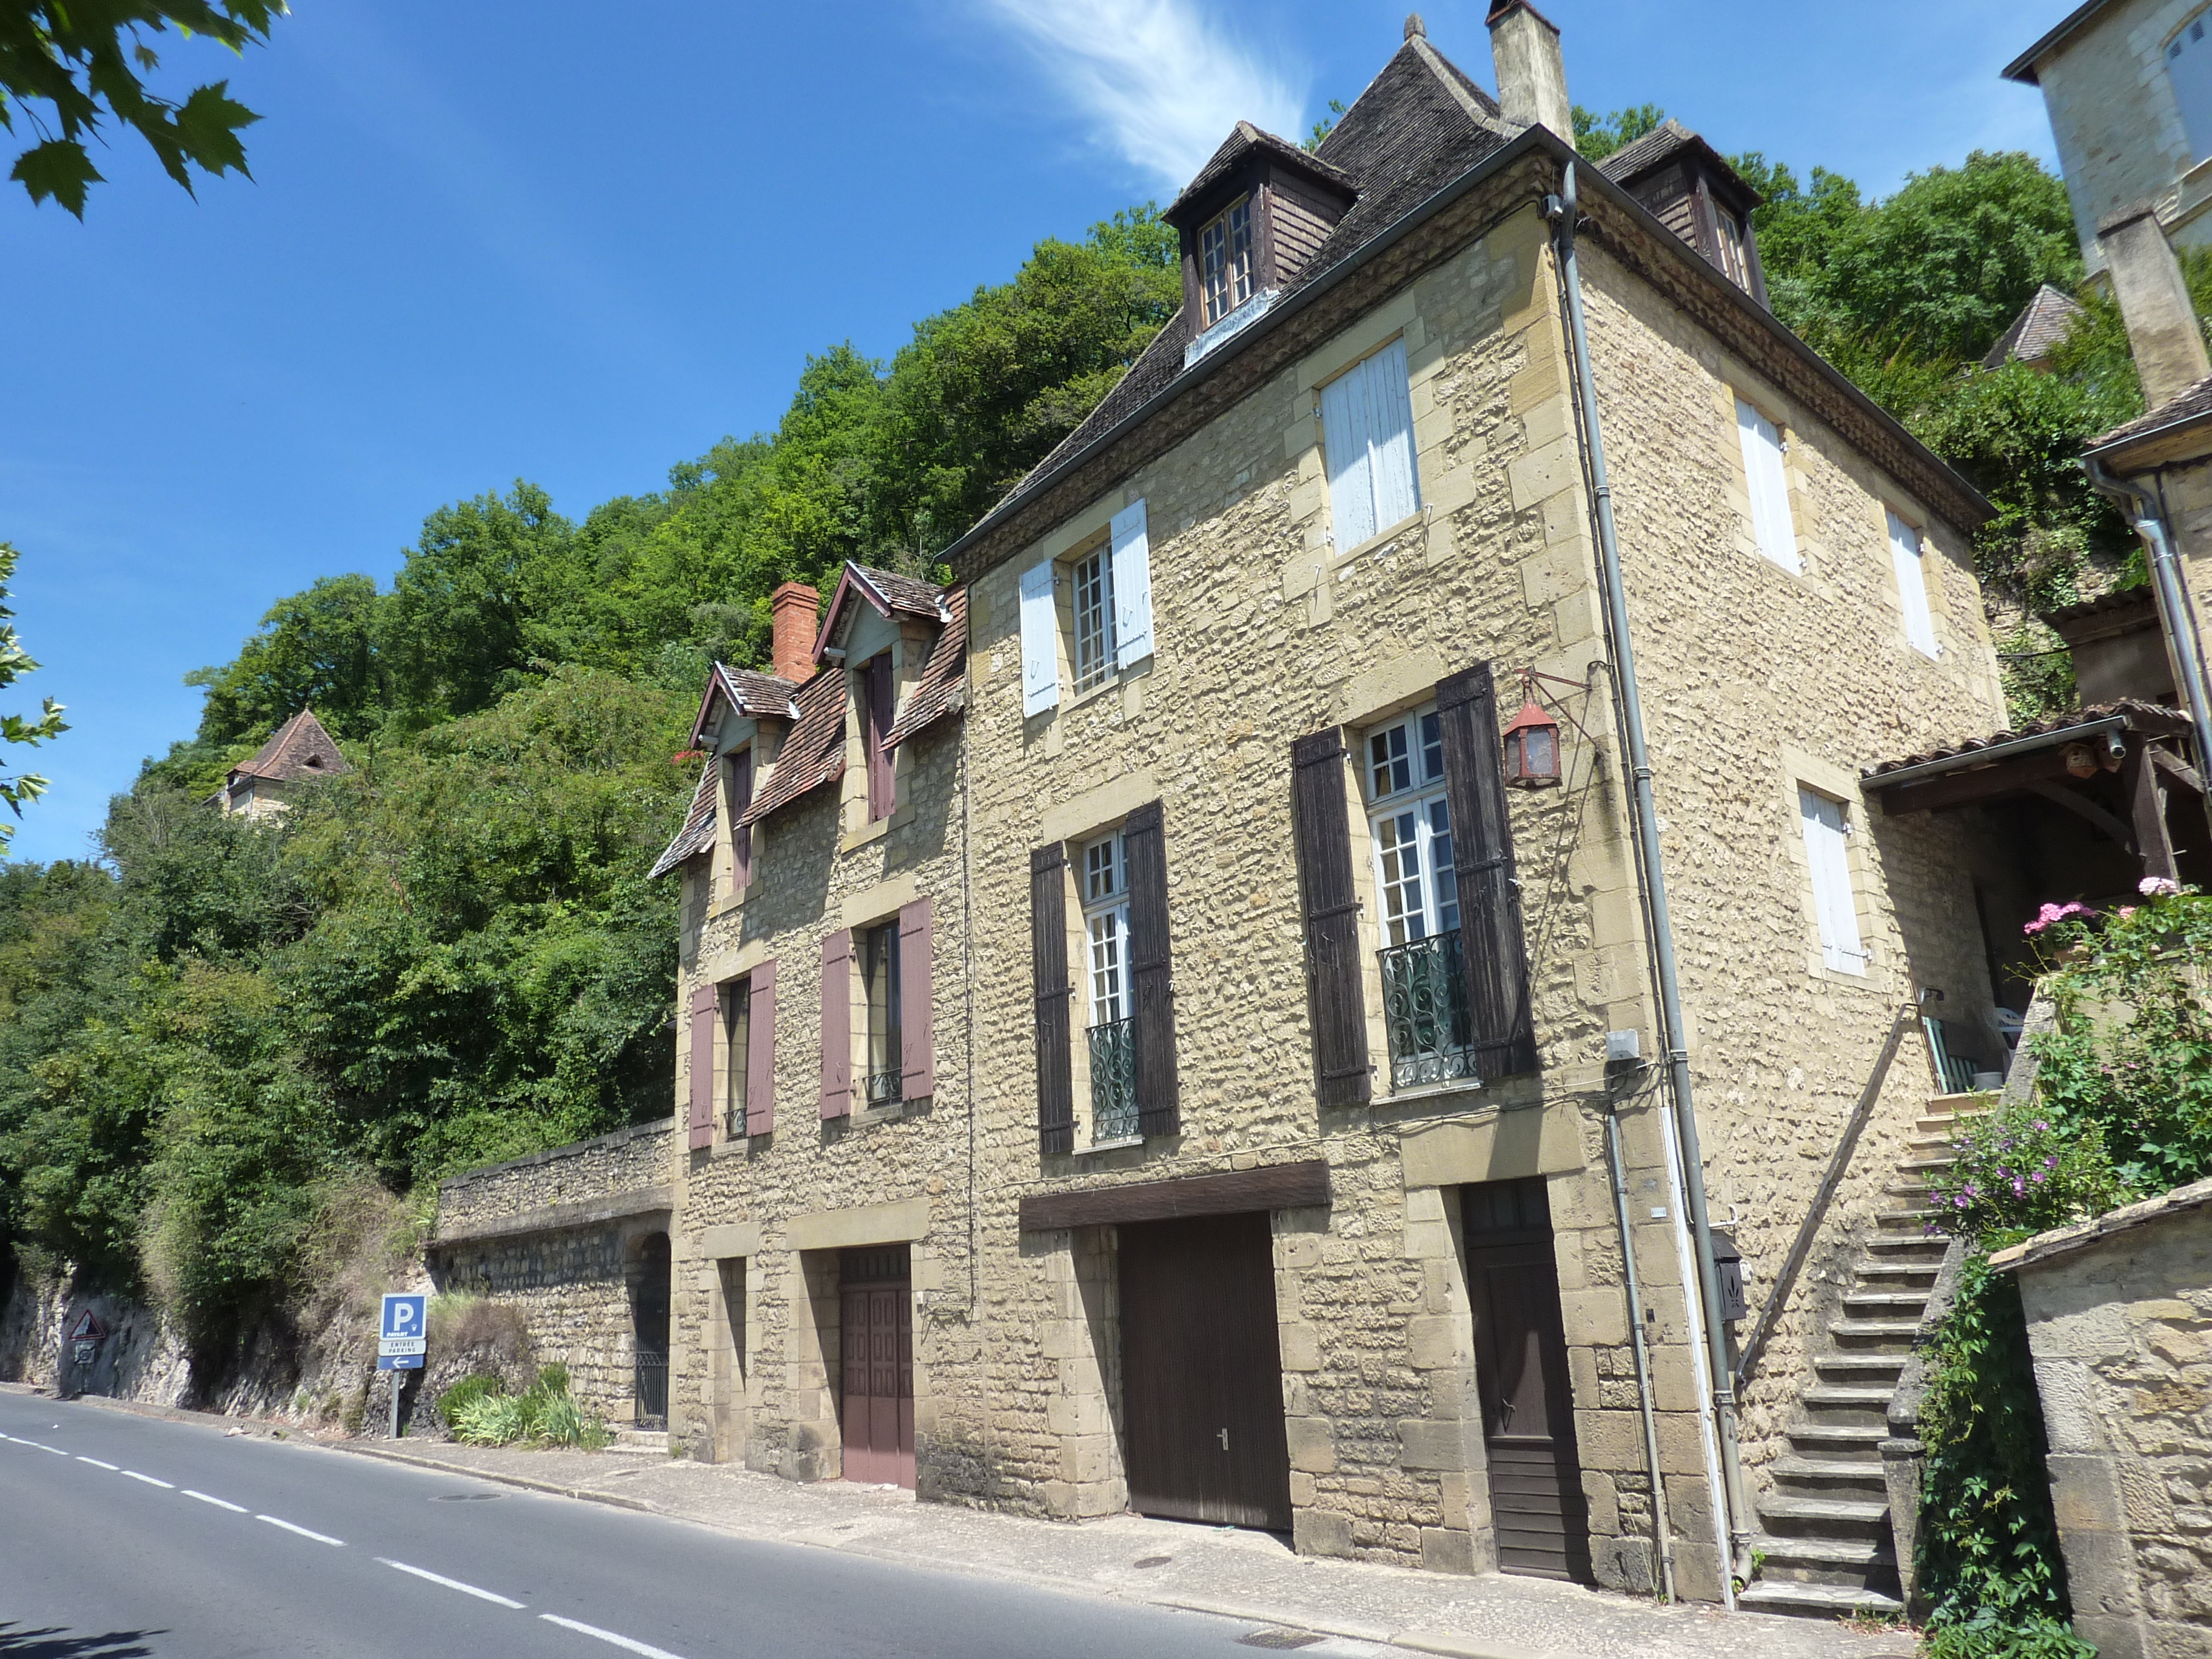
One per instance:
(917,1041)
(1489,896)
(741,834)
(837,1023)
(1159,1106)
(1048,961)
(705,1005)
(1335,998)
(876,725)
(760,1053)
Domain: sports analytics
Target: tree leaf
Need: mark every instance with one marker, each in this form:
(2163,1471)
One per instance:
(59,168)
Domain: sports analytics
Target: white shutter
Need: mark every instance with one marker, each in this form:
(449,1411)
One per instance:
(1397,490)
(1345,428)
(1769,484)
(1828,855)
(1132,586)
(1040,642)
(1911,585)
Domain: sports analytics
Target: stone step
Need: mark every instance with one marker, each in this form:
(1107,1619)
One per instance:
(1861,1366)
(1862,1518)
(1881,1272)
(627,1439)
(1917,1164)
(1900,1220)
(1916,1247)
(1840,1441)
(1856,1563)
(1872,1330)
(1854,1403)
(1819,1600)
(1835,1477)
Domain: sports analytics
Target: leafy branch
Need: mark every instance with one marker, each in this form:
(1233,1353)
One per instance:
(16,788)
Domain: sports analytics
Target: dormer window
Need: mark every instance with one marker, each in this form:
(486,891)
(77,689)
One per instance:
(1224,255)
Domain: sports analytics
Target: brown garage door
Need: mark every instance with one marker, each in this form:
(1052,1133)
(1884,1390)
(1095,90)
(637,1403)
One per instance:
(1521,1370)
(1202,1372)
(876,1404)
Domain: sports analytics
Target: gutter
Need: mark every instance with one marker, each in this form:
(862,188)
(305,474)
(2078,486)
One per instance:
(1972,759)
(2145,509)
(1685,1162)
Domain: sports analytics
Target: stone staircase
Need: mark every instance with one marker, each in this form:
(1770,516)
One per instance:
(1825,1542)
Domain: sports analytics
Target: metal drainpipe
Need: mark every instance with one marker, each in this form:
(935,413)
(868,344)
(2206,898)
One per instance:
(1732,1512)
(2146,511)
(1661,1533)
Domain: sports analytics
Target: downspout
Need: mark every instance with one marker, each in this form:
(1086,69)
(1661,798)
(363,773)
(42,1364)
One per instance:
(2147,511)
(1663,1539)
(1685,1164)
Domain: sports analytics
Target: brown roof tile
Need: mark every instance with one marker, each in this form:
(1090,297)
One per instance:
(942,689)
(1242,142)
(2041,325)
(697,834)
(2141,716)
(2191,405)
(300,748)
(814,753)
(1640,156)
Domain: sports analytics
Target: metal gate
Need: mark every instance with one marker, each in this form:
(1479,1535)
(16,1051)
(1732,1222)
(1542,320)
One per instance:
(650,1389)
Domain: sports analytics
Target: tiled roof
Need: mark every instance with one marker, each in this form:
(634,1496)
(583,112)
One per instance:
(300,748)
(2120,601)
(1242,142)
(942,689)
(754,695)
(2141,716)
(813,753)
(698,831)
(2041,325)
(2188,405)
(1418,124)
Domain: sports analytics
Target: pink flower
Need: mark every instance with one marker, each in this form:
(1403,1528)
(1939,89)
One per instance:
(2157,887)
(1958,1203)
(2126,910)
(2018,1187)
(2038,1175)
(2055,912)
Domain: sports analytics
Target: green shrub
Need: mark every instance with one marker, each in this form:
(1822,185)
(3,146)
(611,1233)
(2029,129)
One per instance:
(1990,1635)
(469,1389)
(490,1419)
(2024,1168)
(542,1415)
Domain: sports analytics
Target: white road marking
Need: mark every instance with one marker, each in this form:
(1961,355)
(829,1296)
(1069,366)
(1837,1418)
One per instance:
(56,1451)
(235,1509)
(166,1486)
(97,1464)
(607,1636)
(319,1537)
(450,1584)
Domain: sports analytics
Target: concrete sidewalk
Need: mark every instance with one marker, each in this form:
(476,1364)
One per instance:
(1216,1569)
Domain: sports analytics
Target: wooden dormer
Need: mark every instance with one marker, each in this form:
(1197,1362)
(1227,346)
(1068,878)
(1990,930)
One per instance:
(1696,194)
(1249,221)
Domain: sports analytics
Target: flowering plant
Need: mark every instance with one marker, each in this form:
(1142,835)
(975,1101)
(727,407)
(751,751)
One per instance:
(2051,915)
(2018,1170)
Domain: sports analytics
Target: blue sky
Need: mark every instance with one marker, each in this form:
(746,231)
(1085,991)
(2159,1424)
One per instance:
(502,240)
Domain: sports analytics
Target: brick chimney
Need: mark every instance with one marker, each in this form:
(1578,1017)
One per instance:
(797,610)
(2162,329)
(1532,78)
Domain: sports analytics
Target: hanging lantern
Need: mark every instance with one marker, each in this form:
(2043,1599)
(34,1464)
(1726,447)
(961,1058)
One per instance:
(1532,748)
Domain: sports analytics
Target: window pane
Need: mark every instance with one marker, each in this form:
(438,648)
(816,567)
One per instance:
(1389,767)
(1433,750)
(1102,869)
(2189,70)
(879,971)
(737,1022)
(1110,950)
(1443,873)
(1094,619)
(1398,848)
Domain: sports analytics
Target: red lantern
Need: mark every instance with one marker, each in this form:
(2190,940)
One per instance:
(1532,748)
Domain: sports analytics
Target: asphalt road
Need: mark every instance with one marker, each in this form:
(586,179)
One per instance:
(122,1535)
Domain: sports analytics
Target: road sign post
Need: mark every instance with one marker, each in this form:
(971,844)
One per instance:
(402,1341)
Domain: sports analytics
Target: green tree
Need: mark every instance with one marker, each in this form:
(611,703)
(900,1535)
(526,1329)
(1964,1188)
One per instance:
(17,787)
(84,63)
(318,649)
(1598,136)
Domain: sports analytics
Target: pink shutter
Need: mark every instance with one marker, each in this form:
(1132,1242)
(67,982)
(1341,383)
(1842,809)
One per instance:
(704,1004)
(837,1023)
(741,835)
(759,1055)
(917,1042)
(881,778)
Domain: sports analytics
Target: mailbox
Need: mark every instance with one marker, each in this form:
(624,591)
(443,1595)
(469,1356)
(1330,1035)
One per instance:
(1728,1261)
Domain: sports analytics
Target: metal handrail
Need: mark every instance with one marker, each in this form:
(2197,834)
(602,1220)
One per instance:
(1785,1281)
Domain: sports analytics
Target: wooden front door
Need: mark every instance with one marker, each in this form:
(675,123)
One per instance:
(876,1349)
(1202,1372)
(1536,1498)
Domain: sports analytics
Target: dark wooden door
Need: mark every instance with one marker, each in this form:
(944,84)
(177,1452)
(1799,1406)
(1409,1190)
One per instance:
(1202,1373)
(1536,1498)
(876,1350)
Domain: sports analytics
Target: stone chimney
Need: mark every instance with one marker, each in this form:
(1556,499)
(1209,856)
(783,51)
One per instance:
(1532,78)
(2162,329)
(798,616)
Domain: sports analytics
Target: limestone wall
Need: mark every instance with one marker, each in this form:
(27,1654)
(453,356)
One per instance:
(2119,1321)
(574,1177)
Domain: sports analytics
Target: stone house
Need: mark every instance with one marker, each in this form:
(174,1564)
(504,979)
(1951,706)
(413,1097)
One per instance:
(2128,86)
(261,785)
(1155,1034)
(2119,1326)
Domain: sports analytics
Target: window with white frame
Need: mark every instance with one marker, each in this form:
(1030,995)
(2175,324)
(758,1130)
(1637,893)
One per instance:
(1827,853)
(1225,260)
(1907,557)
(1094,653)
(1112,1031)
(1768,480)
(1424,1003)
(2189,71)
(1367,443)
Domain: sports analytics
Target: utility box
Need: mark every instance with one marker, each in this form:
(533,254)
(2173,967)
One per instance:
(1728,1261)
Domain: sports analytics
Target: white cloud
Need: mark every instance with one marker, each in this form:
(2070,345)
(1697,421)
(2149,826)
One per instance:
(1156,81)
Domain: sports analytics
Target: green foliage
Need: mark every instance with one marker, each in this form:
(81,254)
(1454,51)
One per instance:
(477,1386)
(543,1415)
(1598,136)
(76,59)
(17,787)
(2024,1168)
(1989,1549)
(1323,127)
(2037,671)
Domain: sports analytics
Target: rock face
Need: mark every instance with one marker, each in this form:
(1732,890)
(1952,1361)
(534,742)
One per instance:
(2119,1320)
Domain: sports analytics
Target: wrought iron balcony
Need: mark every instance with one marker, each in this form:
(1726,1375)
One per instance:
(1425,1008)
(1113,1079)
(884,1087)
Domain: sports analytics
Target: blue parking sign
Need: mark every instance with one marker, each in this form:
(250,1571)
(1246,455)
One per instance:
(401,1334)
